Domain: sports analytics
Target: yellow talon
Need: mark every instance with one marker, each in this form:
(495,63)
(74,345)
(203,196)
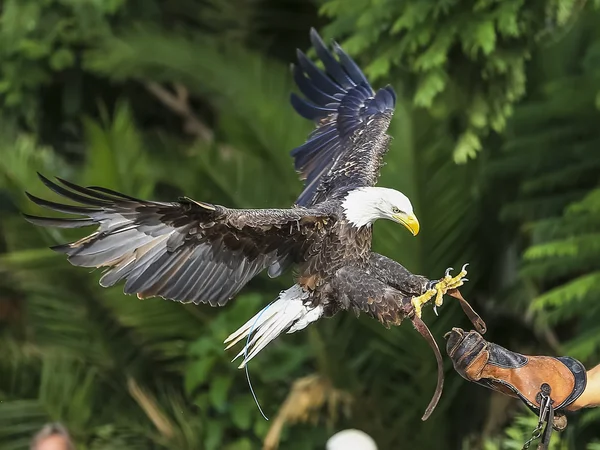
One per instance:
(458,280)
(439,296)
(440,288)
(447,283)
(419,301)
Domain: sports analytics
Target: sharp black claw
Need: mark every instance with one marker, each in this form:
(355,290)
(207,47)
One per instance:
(431,284)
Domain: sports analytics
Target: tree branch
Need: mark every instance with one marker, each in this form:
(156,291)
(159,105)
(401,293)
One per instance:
(178,102)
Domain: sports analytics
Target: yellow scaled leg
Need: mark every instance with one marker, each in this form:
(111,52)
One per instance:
(419,301)
(439,289)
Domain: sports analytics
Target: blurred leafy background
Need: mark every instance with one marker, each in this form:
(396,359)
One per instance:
(496,138)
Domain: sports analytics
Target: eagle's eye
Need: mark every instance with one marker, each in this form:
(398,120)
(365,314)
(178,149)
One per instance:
(395,210)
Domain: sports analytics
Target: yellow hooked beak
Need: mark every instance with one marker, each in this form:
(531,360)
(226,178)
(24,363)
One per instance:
(409,221)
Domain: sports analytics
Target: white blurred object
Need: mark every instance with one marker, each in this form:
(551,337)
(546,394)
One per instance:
(351,440)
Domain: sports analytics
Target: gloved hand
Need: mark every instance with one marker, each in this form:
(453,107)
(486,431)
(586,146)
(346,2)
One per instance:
(526,377)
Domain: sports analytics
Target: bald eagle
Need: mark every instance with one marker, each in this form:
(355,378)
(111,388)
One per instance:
(197,252)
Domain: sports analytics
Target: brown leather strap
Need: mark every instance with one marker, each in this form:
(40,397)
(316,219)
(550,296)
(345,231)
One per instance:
(424,331)
(475,318)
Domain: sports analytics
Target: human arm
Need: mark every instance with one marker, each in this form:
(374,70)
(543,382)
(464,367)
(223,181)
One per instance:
(590,398)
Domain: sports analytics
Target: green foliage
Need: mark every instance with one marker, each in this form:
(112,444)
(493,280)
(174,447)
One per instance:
(43,46)
(41,39)
(468,58)
(553,149)
(72,345)
(519,432)
(219,391)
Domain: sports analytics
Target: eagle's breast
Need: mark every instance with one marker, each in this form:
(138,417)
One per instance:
(341,245)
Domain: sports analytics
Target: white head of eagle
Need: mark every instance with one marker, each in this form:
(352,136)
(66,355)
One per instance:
(365,205)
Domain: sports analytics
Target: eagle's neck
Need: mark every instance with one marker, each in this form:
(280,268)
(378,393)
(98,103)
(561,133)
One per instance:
(362,207)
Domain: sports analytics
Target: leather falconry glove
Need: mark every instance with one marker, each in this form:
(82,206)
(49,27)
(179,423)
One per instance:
(547,385)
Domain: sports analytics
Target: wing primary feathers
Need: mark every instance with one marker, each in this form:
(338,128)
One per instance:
(139,241)
(187,274)
(315,148)
(340,100)
(116,194)
(214,284)
(87,191)
(315,141)
(320,80)
(71,195)
(308,110)
(350,66)
(332,67)
(68,209)
(149,277)
(59,222)
(171,268)
(196,287)
(312,185)
(312,92)
(188,251)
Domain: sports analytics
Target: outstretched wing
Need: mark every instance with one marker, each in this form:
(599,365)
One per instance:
(347,148)
(186,251)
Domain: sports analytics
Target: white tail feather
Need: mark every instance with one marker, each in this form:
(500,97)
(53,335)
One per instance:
(288,312)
